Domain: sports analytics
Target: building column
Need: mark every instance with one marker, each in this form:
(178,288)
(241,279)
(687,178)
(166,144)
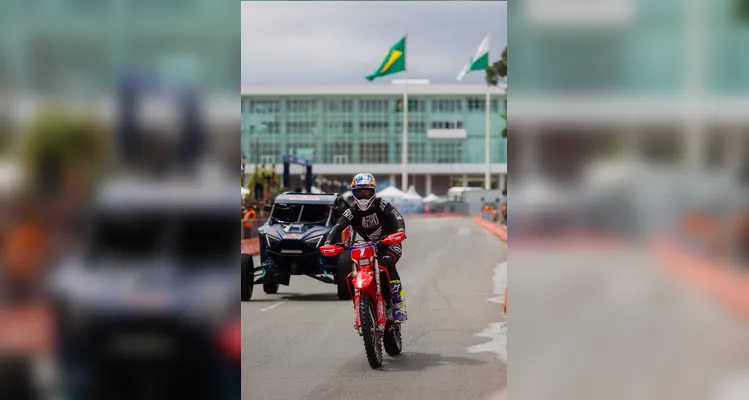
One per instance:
(428,185)
(502,181)
(392,180)
(465,180)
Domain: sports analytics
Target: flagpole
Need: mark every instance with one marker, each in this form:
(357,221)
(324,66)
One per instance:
(487,152)
(404,143)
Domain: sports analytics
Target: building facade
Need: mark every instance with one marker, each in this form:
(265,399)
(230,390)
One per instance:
(357,128)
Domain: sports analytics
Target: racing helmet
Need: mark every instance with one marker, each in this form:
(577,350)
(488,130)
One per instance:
(363,187)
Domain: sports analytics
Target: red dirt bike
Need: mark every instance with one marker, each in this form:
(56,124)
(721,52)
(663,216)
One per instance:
(373,315)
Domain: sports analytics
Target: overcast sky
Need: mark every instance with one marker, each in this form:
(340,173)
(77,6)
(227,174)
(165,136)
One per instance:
(314,42)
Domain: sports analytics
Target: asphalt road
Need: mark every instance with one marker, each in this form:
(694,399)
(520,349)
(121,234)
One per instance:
(301,343)
(615,325)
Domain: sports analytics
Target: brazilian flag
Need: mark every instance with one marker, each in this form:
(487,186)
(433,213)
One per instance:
(394,61)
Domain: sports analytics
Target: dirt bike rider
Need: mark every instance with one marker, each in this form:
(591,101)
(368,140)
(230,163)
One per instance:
(374,218)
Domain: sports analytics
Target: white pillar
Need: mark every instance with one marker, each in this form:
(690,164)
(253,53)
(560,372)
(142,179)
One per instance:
(465,180)
(502,181)
(428,185)
(392,179)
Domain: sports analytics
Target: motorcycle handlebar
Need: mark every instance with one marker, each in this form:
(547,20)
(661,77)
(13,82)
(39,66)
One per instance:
(391,239)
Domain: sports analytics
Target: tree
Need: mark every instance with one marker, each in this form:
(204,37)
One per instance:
(494,74)
(497,71)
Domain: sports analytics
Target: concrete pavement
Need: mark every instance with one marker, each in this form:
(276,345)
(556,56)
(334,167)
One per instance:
(301,344)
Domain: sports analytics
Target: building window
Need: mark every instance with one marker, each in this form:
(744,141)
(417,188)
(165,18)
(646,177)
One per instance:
(373,106)
(446,152)
(263,106)
(272,127)
(265,128)
(348,127)
(301,105)
(308,127)
(447,124)
(413,126)
(414,105)
(338,105)
(475,105)
(373,153)
(373,127)
(446,105)
(337,153)
(268,159)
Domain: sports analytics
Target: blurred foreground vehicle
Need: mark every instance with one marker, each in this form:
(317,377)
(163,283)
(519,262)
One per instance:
(289,242)
(147,305)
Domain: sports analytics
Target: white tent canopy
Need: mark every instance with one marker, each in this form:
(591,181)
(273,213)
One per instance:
(391,192)
(412,195)
(431,198)
(244,192)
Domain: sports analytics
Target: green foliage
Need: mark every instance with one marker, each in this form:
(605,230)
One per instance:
(78,142)
(497,71)
(263,175)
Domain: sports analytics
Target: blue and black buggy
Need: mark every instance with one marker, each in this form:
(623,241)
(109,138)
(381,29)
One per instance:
(289,244)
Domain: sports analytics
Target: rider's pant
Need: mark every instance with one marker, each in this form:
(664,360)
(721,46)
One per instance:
(389,256)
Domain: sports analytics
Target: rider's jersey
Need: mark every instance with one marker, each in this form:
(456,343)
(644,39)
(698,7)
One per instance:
(380,220)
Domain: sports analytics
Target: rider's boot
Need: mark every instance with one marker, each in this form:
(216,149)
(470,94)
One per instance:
(399,304)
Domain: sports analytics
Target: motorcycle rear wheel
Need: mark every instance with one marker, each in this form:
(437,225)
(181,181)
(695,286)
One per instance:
(372,339)
(392,341)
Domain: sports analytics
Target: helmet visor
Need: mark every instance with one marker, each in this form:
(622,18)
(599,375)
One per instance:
(363,194)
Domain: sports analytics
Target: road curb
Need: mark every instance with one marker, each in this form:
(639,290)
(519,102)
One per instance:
(497,230)
(721,281)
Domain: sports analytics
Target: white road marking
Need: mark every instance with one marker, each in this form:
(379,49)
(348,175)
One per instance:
(497,331)
(272,307)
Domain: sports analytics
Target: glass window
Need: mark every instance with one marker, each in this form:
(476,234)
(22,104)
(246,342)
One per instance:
(301,105)
(374,153)
(475,105)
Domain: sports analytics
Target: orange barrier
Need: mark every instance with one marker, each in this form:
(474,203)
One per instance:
(499,231)
(26,329)
(251,246)
(721,281)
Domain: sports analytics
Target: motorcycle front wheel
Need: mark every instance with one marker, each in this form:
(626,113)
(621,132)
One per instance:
(372,342)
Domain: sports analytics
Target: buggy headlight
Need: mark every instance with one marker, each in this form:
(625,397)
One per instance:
(314,241)
(271,240)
